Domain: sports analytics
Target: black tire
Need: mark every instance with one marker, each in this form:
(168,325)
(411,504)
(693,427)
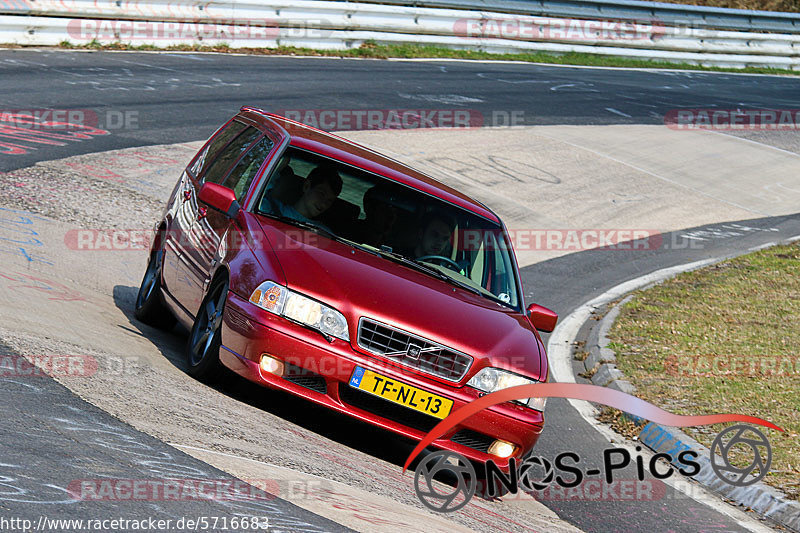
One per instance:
(205,339)
(149,306)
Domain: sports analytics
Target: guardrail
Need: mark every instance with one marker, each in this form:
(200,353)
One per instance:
(342,25)
(631,10)
(668,14)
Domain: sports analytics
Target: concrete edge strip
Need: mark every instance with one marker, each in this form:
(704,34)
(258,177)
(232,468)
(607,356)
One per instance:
(655,70)
(760,497)
(763,499)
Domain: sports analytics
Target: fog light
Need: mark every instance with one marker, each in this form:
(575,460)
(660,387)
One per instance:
(271,365)
(502,448)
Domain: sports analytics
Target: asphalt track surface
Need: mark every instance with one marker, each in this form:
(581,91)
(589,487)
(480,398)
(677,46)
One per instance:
(183,97)
(51,441)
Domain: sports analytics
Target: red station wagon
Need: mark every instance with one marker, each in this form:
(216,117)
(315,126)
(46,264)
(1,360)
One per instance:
(308,263)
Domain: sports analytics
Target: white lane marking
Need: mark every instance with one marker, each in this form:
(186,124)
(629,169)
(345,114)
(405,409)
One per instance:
(192,57)
(559,358)
(28,385)
(490,76)
(447,99)
(616,111)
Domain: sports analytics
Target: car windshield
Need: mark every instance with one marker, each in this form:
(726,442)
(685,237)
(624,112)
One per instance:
(392,220)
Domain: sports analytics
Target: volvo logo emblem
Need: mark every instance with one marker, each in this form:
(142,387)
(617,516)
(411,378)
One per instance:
(413,351)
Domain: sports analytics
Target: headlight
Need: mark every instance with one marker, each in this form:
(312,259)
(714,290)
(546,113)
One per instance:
(279,300)
(495,379)
(270,297)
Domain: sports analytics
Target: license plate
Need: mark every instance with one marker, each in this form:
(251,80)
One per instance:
(398,392)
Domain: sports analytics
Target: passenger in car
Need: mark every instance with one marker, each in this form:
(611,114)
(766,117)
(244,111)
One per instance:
(381,216)
(323,185)
(320,190)
(286,186)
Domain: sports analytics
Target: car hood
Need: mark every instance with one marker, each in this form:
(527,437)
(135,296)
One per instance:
(361,284)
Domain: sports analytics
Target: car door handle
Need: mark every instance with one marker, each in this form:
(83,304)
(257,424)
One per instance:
(201,213)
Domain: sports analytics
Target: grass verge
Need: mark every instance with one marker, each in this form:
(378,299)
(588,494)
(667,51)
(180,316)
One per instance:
(723,339)
(410,51)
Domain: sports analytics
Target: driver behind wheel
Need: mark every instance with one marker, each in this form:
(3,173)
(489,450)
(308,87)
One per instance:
(435,235)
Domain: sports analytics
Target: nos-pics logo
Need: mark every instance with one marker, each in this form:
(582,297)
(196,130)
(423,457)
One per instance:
(462,480)
(446,481)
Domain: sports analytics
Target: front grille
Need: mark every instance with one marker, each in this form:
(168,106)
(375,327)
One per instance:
(386,409)
(305,378)
(473,439)
(412,350)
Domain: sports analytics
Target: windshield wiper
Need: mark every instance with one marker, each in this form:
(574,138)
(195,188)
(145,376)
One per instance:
(413,263)
(441,275)
(416,265)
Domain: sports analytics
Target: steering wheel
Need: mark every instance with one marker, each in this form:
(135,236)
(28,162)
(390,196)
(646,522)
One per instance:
(449,262)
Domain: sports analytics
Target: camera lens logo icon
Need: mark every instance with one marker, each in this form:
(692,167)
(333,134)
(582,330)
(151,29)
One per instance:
(443,498)
(526,470)
(736,440)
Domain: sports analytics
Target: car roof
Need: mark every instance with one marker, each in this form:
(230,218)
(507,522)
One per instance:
(341,149)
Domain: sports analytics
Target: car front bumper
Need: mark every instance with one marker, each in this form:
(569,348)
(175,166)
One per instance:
(320,371)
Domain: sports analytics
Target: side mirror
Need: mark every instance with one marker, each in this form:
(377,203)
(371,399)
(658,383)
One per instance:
(542,318)
(220,198)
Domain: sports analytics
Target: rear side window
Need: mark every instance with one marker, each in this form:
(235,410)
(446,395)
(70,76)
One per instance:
(245,170)
(219,141)
(230,154)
